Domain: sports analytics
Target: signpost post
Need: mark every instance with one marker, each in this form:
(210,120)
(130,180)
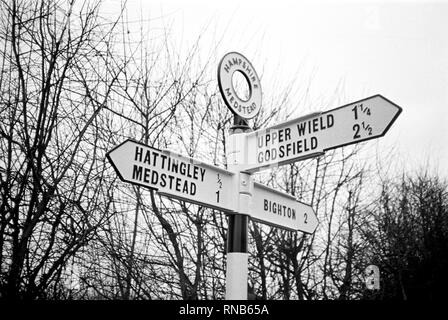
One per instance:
(237,230)
(234,191)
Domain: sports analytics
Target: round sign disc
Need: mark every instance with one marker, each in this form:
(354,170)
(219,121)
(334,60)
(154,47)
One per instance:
(231,63)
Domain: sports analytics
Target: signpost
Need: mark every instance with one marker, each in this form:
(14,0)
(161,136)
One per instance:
(173,175)
(312,135)
(234,191)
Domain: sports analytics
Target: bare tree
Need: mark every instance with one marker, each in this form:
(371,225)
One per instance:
(51,95)
(408,237)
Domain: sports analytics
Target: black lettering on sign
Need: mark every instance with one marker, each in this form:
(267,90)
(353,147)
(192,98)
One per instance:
(163,160)
(138,154)
(273,137)
(301,128)
(171,181)
(288,150)
(154,158)
(182,168)
(202,171)
(356,129)
(150,173)
(355,110)
(137,172)
(146,175)
(185,188)
(163,180)
(316,124)
(147,158)
(330,120)
(174,166)
(195,172)
(279,209)
(154,177)
(178,184)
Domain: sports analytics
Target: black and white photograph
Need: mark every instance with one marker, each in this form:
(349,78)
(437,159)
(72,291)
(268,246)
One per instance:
(223,159)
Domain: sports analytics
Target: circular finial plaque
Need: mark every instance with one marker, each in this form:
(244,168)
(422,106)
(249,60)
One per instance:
(235,62)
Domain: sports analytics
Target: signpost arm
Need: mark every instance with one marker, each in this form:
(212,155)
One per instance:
(237,239)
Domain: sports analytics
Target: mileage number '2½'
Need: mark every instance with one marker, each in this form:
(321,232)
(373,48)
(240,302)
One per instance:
(219,182)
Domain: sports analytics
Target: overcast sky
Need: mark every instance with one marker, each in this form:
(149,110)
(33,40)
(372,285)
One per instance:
(397,49)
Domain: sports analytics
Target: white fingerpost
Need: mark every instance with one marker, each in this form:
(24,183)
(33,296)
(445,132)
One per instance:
(237,255)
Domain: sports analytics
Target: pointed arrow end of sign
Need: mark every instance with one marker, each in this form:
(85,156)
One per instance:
(309,221)
(115,157)
(399,109)
(395,114)
(312,222)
